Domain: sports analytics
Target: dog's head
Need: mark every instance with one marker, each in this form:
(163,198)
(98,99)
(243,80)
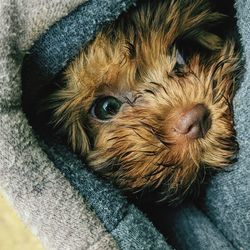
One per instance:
(144,105)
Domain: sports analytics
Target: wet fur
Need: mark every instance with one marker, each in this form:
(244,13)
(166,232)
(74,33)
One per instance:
(135,59)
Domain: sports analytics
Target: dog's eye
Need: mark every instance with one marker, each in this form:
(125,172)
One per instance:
(104,108)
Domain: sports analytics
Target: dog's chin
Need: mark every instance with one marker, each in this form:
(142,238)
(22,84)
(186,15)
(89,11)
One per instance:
(165,187)
(171,184)
(138,159)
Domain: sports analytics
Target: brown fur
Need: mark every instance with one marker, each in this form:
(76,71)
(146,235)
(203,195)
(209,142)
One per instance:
(135,59)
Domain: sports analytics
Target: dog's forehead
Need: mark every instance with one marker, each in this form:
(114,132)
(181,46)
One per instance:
(121,73)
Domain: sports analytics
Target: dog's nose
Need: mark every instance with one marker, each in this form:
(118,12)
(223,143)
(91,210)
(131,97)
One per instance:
(194,123)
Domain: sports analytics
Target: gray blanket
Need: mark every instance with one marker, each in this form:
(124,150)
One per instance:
(67,206)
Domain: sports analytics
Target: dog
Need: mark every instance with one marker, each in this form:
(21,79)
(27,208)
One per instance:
(148,103)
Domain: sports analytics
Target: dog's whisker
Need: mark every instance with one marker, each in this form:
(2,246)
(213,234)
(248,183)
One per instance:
(166,144)
(117,138)
(159,85)
(165,165)
(148,152)
(155,172)
(156,134)
(150,92)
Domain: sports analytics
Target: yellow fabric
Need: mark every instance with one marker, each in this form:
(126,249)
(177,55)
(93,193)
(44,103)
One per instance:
(14,235)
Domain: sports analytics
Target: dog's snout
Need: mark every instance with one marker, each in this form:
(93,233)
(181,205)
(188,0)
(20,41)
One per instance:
(194,123)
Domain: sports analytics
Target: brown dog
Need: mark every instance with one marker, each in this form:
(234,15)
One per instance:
(148,102)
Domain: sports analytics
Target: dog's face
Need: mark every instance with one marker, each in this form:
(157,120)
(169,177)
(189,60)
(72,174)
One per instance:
(143,113)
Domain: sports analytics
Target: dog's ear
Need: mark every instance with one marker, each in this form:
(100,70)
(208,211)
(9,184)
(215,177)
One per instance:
(69,119)
(226,70)
(198,23)
(223,70)
(205,36)
(77,137)
(205,39)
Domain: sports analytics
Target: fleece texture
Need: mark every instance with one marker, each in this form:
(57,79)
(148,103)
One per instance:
(40,194)
(40,189)
(65,204)
(227,201)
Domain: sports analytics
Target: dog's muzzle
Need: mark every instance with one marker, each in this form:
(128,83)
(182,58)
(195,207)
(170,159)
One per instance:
(193,123)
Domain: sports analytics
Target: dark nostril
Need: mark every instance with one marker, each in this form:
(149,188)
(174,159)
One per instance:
(195,122)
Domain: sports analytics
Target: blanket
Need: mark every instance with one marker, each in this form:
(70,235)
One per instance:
(66,205)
